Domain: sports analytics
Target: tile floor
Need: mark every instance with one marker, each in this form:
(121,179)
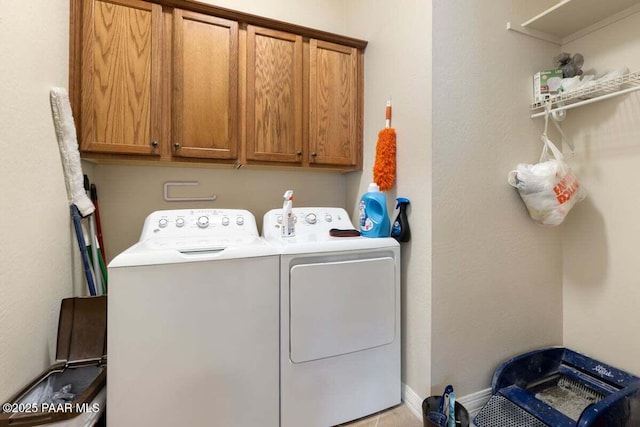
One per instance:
(398,416)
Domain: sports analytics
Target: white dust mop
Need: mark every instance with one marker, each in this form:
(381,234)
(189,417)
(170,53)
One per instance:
(80,203)
(68,144)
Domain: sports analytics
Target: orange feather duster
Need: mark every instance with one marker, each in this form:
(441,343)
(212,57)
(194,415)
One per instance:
(384,168)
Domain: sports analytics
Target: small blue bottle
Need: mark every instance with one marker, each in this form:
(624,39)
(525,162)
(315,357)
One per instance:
(374,220)
(400,229)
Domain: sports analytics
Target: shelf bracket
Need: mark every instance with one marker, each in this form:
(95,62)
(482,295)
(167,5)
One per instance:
(555,119)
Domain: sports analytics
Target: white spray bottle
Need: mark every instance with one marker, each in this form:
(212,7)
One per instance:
(288,220)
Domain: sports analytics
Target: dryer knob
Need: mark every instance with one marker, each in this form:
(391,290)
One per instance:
(328,218)
(225,221)
(180,222)
(163,223)
(240,220)
(310,218)
(203,221)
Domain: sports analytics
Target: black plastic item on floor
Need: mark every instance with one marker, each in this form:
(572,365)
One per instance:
(74,383)
(431,404)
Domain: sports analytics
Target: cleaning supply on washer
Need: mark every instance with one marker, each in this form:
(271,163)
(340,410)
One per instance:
(374,221)
(288,219)
(400,229)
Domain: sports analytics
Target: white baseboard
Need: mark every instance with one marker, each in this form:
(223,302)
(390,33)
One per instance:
(412,400)
(475,401)
(472,402)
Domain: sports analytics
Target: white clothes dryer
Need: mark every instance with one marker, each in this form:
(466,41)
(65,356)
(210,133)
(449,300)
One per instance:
(339,320)
(193,326)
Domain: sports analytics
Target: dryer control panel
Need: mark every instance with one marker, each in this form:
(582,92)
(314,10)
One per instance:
(185,223)
(310,222)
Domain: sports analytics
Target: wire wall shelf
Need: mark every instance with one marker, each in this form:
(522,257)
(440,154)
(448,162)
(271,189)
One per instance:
(590,93)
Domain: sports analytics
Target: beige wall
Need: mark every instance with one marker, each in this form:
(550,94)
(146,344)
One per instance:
(324,15)
(600,243)
(36,247)
(128,194)
(398,65)
(497,276)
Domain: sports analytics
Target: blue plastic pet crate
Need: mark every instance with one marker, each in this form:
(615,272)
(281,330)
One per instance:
(558,387)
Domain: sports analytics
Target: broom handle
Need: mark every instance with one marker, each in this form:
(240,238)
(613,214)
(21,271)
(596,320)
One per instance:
(388,114)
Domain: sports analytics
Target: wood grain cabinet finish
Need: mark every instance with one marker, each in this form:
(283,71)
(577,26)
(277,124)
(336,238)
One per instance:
(169,81)
(121,77)
(205,86)
(334,104)
(274,95)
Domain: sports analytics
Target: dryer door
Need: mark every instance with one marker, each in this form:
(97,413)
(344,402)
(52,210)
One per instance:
(341,307)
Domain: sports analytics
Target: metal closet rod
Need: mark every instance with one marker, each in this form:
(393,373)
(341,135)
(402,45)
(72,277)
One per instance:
(588,101)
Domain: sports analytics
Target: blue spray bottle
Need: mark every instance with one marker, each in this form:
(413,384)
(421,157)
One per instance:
(400,229)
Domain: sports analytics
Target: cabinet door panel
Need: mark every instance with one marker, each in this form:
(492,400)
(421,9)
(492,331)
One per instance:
(333,99)
(205,95)
(274,95)
(121,77)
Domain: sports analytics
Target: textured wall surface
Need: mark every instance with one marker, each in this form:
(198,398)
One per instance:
(497,276)
(600,240)
(36,261)
(128,194)
(398,65)
(324,15)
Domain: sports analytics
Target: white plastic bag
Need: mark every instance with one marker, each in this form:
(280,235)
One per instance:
(548,188)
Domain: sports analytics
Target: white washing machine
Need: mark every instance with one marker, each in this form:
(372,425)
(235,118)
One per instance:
(339,320)
(193,324)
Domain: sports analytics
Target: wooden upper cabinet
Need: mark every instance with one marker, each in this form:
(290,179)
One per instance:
(205,86)
(274,95)
(334,104)
(121,62)
(183,81)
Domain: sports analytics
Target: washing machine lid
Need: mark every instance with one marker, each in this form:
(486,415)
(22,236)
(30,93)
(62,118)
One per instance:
(190,235)
(190,250)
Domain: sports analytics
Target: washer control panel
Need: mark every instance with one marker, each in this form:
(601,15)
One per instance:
(184,223)
(314,222)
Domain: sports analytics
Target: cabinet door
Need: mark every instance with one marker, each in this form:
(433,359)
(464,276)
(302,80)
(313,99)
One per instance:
(333,104)
(274,95)
(205,86)
(121,62)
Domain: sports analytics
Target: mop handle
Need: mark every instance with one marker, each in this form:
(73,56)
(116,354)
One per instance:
(388,114)
(75,214)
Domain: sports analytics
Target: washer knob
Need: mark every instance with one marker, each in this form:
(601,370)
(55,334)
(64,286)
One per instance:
(225,221)
(240,220)
(328,218)
(180,222)
(279,219)
(203,221)
(311,218)
(163,222)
